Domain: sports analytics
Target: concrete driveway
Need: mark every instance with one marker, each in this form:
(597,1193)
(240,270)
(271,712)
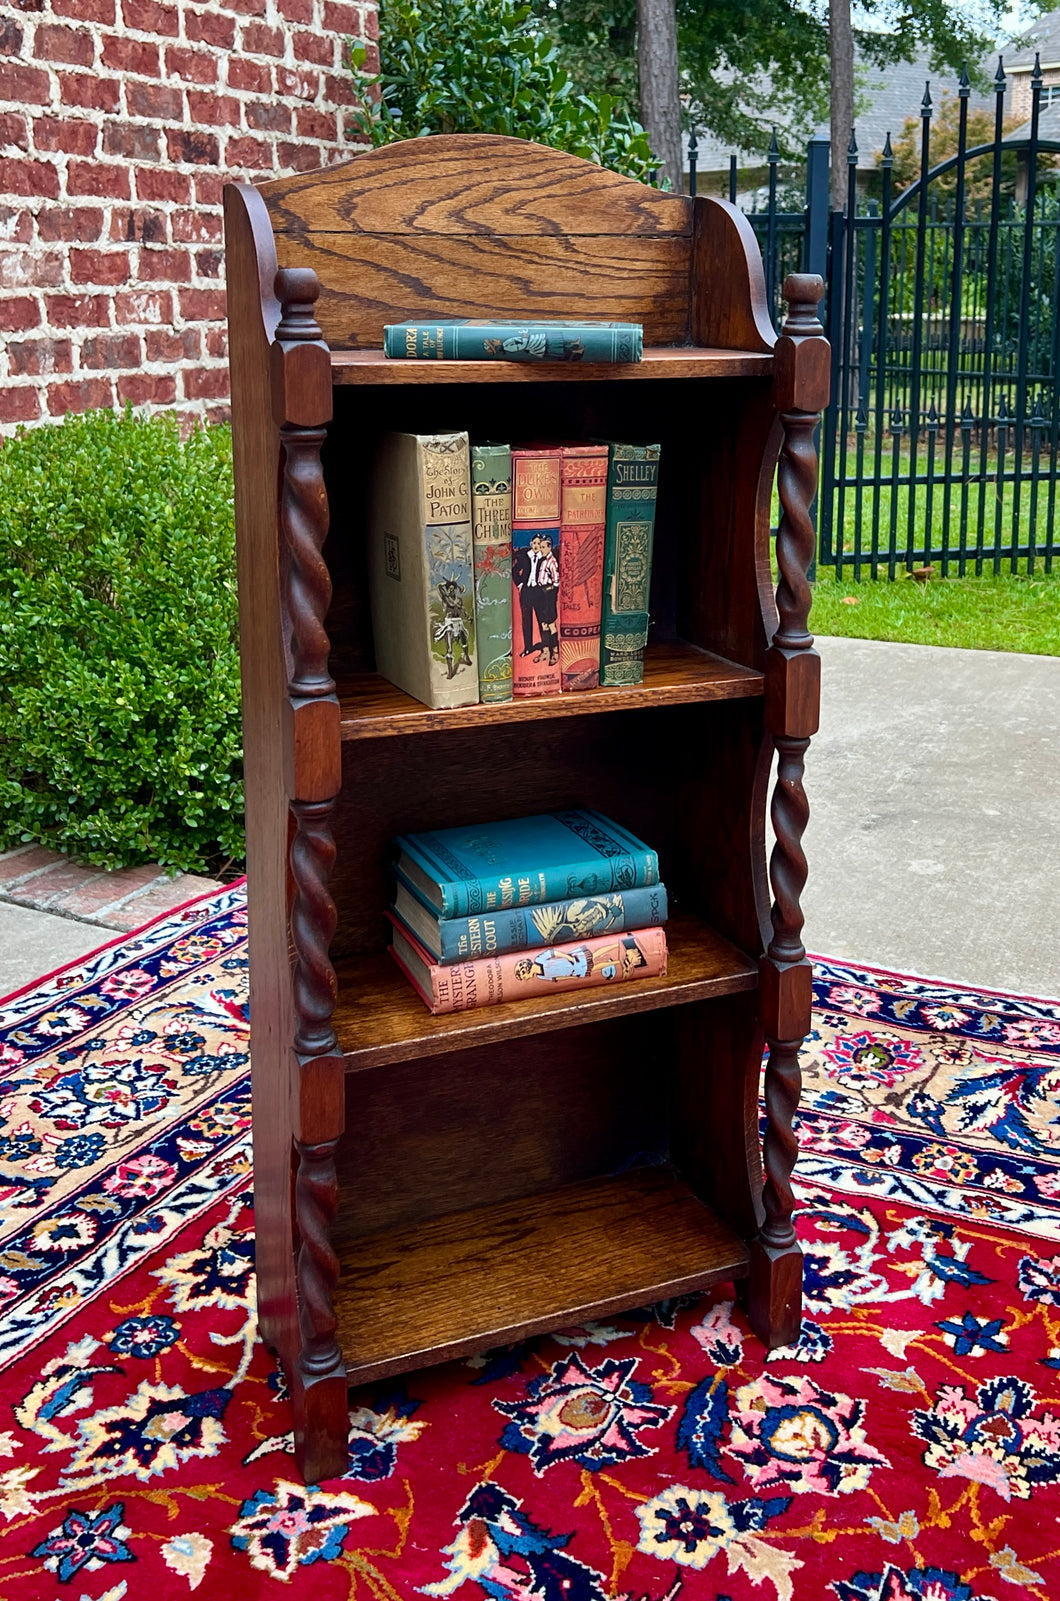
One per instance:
(934,837)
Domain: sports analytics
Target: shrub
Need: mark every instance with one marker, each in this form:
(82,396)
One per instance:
(120,737)
(487,66)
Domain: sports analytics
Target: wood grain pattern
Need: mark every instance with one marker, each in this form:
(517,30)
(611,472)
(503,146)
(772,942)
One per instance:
(675,674)
(470,184)
(660,361)
(538,1263)
(379,1017)
(372,279)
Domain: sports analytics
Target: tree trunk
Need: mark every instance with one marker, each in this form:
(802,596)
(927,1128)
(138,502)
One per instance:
(660,104)
(841,52)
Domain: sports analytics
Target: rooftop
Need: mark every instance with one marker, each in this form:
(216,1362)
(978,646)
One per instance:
(1042,38)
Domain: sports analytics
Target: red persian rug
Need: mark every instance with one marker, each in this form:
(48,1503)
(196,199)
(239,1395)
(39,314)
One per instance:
(906,1449)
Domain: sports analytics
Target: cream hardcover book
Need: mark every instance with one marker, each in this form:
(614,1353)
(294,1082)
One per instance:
(420,567)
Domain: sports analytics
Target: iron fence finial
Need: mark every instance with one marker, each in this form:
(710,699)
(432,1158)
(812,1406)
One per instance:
(925,104)
(887,160)
(1000,81)
(964,87)
(852,149)
(1036,75)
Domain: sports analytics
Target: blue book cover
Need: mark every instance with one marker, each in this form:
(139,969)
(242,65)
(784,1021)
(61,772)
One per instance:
(524,861)
(537,339)
(463,939)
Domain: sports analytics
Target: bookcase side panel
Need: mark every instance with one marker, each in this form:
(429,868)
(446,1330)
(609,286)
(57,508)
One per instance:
(729,305)
(253,314)
(724,585)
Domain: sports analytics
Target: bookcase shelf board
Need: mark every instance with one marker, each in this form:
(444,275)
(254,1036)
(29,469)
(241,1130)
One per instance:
(675,674)
(539,1262)
(660,361)
(379,1018)
(409,1207)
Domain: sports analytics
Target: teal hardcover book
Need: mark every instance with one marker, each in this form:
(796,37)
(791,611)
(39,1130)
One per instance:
(535,340)
(632,484)
(524,861)
(527,928)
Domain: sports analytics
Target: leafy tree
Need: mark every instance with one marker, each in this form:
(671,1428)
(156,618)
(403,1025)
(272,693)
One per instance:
(747,65)
(488,66)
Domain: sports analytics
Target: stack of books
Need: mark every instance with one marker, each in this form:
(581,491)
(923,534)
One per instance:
(498,573)
(502,911)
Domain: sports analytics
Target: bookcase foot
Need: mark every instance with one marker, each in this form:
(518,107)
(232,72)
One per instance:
(773,1293)
(321,1425)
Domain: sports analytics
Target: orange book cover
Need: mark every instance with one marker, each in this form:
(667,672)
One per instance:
(610,959)
(583,517)
(536,569)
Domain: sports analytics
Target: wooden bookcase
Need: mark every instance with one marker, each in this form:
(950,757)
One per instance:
(428,1187)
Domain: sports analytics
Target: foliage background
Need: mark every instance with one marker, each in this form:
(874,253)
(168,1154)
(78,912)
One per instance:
(488,66)
(120,738)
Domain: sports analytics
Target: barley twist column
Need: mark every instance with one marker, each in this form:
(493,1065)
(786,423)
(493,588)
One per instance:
(302,405)
(801,362)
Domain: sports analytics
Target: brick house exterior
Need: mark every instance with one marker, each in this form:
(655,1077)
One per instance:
(119,122)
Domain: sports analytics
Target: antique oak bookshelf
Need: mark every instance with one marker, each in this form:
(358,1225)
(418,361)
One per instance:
(427,1187)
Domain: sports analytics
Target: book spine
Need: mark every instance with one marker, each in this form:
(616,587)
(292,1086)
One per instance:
(536,572)
(491,494)
(448,563)
(583,512)
(587,964)
(464,939)
(631,491)
(612,343)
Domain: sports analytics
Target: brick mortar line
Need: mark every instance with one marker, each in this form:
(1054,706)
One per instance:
(66,368)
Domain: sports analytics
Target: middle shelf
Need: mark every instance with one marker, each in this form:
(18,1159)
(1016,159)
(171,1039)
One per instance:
(380,1019)
(675,673)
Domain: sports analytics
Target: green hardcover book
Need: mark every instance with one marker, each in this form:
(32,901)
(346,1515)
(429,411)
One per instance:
(420,567)
(491,497)
(535,340)
(632,480)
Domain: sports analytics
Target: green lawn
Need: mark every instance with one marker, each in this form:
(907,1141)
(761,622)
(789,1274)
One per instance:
(1009,612)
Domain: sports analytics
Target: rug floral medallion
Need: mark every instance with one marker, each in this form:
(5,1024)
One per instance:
(907,1448)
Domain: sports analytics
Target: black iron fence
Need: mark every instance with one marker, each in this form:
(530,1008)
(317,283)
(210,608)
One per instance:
(940,447)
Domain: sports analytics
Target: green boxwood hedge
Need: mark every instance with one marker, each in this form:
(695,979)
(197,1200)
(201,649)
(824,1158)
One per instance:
(120,736)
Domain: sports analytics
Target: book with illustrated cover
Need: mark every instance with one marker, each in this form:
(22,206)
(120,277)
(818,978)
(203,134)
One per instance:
(583,514)
(613,959)
(632,484)
(420,567)
(523,861)
(463,939)
(491,497)
(536,571)
(535,340)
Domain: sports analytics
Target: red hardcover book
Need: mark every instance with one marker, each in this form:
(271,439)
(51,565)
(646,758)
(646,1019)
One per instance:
(583,516)
(489,980)
(536,569)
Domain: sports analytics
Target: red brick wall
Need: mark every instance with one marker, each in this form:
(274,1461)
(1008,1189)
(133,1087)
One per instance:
(119,122)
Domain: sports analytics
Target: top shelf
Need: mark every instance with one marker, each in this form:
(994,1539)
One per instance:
(660,361)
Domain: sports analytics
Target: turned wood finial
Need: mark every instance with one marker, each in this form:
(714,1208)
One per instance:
(803,292)
(297,289)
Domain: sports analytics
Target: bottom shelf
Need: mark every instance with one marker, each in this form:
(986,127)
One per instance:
(471,1280)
